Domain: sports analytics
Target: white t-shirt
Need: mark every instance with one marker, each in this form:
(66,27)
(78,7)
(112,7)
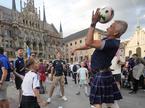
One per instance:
(116,66)
(71,67)
(29,83)
(82,73)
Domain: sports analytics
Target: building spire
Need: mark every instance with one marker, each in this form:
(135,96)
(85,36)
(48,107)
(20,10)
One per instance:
(138,22)
(13,5)
(60,30)
(32,1)
(39,13)
(44,16)
(21,5)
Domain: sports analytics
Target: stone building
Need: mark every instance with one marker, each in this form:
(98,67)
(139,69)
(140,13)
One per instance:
(136,43)
(25,28)
(76,40)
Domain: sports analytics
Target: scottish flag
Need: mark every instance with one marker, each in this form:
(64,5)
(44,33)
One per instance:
(28,51)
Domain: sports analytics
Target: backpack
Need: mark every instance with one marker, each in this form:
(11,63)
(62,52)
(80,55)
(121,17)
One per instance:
(74,68)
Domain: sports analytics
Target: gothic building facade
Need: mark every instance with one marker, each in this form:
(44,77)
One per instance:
(25,28)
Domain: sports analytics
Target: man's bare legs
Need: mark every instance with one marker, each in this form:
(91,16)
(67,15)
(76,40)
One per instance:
(115,105)
(61,82)
(20,96)
(51,90)
(98,106)
(4,104)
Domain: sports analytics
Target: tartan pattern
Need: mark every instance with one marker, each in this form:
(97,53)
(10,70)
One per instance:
(29,102)
(104,89)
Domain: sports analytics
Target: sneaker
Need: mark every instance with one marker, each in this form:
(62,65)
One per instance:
(64,98)
(19,106)
(78,93)
(48,100)
(58,94)
(132,92)
(86,94)
(92,106)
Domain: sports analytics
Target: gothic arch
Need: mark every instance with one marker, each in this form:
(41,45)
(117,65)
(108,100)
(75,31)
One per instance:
(34,45)
(40,47)
(28,43)
(53,42)
(130,53)
(32,37)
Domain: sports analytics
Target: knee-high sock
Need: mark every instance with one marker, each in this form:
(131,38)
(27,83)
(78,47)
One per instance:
(86,89)
(115,104)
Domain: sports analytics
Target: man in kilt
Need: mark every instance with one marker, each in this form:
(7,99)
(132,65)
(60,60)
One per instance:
(103,86)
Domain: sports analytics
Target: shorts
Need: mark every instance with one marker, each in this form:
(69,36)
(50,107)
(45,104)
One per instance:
(83,82)
(3,91)
(42,77)
(117,77)
(18,82)
(58,79)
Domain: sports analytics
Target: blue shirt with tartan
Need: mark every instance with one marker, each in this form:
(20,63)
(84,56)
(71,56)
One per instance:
(102,57)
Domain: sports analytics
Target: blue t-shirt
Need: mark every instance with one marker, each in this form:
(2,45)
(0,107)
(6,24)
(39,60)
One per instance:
(102,57)
(4,62)
(20,66)
(58,67)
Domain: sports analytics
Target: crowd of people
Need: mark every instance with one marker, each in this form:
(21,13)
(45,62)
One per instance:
(133,73)
(104,74)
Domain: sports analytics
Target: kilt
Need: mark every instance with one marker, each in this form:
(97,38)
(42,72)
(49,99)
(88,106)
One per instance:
(104,88)
(29,102)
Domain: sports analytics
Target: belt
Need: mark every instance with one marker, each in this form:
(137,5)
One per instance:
(32,98)
(103,70)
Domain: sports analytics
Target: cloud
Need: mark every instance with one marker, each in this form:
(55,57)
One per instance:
(127,10)
(75,15)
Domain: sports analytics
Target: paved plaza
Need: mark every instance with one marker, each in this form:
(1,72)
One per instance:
(81,101)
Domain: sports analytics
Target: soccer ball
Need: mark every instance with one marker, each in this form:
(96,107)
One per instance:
(106,14)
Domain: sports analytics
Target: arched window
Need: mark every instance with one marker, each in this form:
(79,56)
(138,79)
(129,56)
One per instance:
(40,47)
(130,53)
(34,46)
(23,21)
(28,43)
(138,51)
(7,33)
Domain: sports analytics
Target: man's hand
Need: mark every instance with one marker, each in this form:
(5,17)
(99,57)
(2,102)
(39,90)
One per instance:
(95,17)
(18,75)
(43,103)
(51,77)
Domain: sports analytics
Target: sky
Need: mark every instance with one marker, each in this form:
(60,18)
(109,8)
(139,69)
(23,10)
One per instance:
(75,15)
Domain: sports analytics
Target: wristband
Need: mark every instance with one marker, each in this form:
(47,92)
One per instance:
(1,83)
(93,25)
